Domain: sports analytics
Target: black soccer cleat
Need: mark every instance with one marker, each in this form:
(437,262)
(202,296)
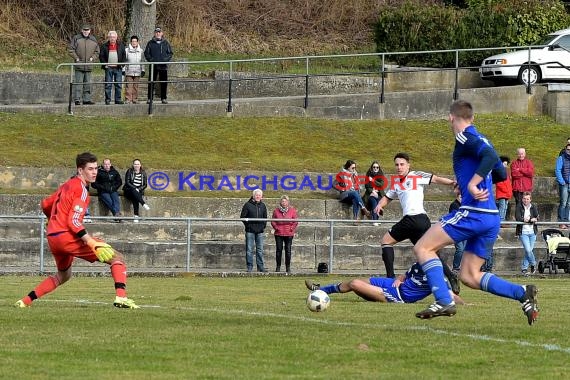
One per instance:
(311,285)
(529,304)
(454,283)
(437,310)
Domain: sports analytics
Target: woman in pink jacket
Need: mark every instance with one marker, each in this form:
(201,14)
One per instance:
(284,232)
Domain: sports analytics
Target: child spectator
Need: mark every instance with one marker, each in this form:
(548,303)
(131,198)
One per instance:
(504,191)
(528,213)
(459,246)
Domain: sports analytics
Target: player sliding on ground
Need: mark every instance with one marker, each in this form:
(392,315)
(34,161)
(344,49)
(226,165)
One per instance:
(476,166)
(406,288)
(67,238)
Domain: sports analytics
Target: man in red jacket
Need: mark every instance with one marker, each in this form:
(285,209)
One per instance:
(504,191)
(522,173)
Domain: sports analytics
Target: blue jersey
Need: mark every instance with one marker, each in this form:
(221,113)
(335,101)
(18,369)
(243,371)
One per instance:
(414,287)
(469,146)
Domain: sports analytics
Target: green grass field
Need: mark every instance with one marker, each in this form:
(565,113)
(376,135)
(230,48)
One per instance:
(259,328)
(269,144)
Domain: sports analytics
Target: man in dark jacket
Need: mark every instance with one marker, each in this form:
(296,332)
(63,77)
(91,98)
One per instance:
(84,49)
(107,184)
(158,49)
(254,208)
(112,56)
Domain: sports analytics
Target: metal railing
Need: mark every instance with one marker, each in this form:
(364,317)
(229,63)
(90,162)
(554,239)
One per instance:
(189,221)
(310,63)
(331,223)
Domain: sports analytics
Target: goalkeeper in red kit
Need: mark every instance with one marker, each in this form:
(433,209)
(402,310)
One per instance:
(68,239)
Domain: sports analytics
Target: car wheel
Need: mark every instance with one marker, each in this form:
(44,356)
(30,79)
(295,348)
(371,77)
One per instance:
(529,71)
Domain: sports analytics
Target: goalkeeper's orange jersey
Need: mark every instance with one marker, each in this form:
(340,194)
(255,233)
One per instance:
(66,207)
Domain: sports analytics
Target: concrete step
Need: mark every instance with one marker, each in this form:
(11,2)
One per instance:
(228,255)
(204,231)
(193,184)
(183,207)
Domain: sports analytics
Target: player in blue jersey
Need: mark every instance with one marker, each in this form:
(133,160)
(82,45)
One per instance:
(477,166)
(406,288)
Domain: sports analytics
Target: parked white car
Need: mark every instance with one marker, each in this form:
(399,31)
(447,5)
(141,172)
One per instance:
(549,62)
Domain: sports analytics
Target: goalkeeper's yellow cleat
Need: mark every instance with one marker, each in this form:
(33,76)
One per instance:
(20,304)
(125,303)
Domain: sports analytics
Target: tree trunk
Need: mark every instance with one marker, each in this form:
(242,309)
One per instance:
(141,20)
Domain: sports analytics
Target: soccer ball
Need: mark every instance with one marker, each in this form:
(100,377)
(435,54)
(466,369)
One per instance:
(318,301)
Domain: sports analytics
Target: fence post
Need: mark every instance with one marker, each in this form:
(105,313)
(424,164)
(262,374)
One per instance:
(230,108)
(331,247)
(71,89)
(456,84)
(528,89)
(42,239)
(382,73)
(151,85)
(306,103)
(188,244)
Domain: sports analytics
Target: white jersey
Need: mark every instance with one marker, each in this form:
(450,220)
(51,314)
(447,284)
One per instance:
(410,191)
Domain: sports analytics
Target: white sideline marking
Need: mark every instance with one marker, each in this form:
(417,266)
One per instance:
(522,343)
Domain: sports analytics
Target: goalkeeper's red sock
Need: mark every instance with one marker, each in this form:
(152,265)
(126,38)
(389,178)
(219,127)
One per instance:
(43,288)
(119,273)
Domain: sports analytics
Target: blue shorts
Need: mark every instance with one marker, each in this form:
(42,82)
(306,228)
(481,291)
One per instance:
(391,293)
(479,229)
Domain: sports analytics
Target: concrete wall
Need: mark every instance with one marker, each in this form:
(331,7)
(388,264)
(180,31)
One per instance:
(28,178)
(558,106)
(162,246)
(197,207)
(38,88)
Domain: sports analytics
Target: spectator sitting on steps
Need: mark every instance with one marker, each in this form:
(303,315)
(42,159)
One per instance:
(348,184)
(135,184)
(107,184)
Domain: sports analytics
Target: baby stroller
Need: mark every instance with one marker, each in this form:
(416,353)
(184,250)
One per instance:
(557,252)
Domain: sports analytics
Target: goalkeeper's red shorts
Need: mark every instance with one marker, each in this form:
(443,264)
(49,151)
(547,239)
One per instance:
(65,246)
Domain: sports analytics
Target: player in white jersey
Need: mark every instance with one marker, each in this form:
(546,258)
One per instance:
(408,186)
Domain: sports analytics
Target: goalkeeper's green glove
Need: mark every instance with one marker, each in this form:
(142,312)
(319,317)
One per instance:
(103,251)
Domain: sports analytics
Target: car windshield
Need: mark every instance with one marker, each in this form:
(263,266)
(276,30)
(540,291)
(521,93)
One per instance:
(546,40)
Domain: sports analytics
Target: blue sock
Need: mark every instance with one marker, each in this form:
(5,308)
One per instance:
(499,287)
(434,272)
(330,288)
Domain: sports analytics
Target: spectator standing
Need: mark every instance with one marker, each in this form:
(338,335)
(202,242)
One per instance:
(374,186)
(133,70)
(528,213)
(504,191)
(460,245)
(107,184)
(564,149)
(113,56)
(84,49)
(349,187)
(284,232)
(522,174)
(254,230)
(158,49)
(135,185)
(562,171)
